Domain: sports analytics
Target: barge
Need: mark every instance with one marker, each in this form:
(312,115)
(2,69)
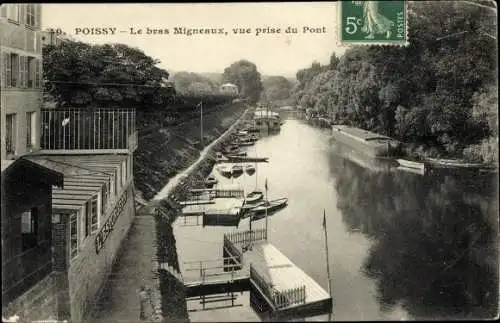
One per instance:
(370,143)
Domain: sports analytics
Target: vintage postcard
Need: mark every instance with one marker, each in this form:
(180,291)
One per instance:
(266,161)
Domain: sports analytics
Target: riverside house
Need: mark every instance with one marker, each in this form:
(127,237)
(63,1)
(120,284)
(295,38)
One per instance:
(67,185)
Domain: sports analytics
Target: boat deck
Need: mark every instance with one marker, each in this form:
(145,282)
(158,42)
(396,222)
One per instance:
(282,273)
(220,206)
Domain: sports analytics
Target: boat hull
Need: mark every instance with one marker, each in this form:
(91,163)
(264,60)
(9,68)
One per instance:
(376,148)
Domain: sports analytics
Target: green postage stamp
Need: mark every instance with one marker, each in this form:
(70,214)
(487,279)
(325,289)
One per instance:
(373,22)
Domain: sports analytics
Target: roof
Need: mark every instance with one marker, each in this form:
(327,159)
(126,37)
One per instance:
(229,84)
(44,174)
(361,133)
(84,176)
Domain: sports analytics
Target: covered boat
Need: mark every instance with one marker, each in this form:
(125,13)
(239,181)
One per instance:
(370,143)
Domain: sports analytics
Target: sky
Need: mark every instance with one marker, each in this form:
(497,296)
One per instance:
(273,53)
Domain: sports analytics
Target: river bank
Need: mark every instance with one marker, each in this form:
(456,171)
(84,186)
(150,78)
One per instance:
(176,183)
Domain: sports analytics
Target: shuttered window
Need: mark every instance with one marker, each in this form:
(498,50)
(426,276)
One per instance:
(23,71)
(7,70)
(3,11)
(31,15)
(38,73)
(13,12)
(31,66)
(14,73)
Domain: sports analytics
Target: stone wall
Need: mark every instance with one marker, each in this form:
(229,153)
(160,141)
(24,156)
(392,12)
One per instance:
(38,303)
(89,271)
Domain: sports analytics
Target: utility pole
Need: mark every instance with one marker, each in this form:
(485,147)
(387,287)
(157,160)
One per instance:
(327,257)
(201,125)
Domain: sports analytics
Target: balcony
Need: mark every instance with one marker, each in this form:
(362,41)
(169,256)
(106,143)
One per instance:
(88,131)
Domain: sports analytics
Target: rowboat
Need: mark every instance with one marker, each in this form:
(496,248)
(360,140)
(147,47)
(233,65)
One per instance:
(411,164)
(225,170)
(237,170)
(250,169)
(243,142)
(210,181)
(270,206)
(233,158)
(232,149)
(253,197)
(452,163)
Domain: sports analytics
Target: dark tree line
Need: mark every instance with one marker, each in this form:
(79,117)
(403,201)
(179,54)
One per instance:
(439,92)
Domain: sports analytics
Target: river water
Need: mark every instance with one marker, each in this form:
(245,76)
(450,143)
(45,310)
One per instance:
(401,246)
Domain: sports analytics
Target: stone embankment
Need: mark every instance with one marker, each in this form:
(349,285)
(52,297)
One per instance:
(168,289)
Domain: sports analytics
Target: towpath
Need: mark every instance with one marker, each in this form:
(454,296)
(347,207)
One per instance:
(174,181)
(119,300)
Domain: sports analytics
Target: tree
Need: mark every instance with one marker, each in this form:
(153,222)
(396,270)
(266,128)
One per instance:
(440,79)
(276,88)
(184,80)
(82,75)
(245,75)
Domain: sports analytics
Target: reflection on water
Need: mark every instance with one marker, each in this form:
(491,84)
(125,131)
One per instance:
(435,238)
(401,246)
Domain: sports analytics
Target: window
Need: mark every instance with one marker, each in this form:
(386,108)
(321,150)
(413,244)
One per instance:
(94,223)
(13,70)
(73,232)
(30,15)
(124,173)
(30,130)
(30,71)
(105,190)
(13,12)
(23,71)
(29,228)
(37,68)
(10,133)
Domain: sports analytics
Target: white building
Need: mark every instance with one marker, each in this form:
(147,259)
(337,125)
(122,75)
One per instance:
(229,88)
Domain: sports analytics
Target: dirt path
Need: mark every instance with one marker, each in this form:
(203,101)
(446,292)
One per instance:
(174,181)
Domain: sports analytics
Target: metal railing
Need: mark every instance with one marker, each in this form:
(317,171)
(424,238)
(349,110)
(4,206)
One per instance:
(289,297)
(88,129)
(210,270)
(246,236)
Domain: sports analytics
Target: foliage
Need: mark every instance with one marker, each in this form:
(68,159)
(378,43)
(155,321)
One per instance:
(276,88)
(193,83)
(83,75)
(245,75)
(438,92)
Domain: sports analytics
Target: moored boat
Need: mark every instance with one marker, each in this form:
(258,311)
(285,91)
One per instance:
(236,159)
(239,154)
(232,149)
(453,163)
(250,169)
(253,197)
(370,143)
(411,164)
(270,206)
(210,181)
(237,170)
(225,170)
